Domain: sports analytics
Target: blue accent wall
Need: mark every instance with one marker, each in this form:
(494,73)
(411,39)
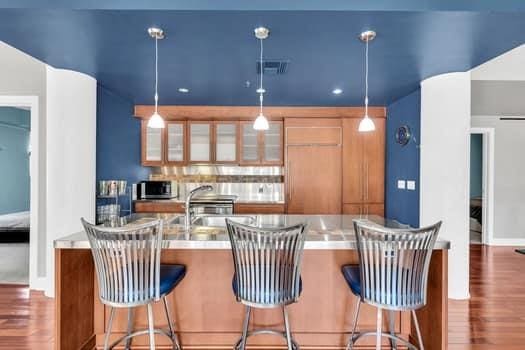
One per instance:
(476,165)
(14,159)
(118,139)
(403,162)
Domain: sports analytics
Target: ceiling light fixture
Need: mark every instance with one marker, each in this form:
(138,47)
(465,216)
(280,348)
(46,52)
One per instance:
(366,123)
(337,91)
(184,90)
(261,123)
(156,121)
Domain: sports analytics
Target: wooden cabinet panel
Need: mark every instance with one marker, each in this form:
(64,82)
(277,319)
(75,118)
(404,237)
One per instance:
(363,162)
(313,136)
(313,179)
(159,207)
(364,209)
(353,191)
(250,208)
(374,163)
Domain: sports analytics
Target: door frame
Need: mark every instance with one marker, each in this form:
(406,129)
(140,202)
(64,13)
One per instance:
(487,230)
(35,282)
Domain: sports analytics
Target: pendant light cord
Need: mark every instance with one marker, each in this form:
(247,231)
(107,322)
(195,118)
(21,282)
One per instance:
(366,80)
(262,76)
(156,73)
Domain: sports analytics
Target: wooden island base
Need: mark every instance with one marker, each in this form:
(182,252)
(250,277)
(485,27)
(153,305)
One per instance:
(208,317)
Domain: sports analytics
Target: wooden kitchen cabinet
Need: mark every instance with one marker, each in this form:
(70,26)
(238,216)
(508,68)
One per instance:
(200,142)
(363,163)
(364,209)
(313,166)
(175,143)
(261,147)
(152,145)
(259,208)
(158,207)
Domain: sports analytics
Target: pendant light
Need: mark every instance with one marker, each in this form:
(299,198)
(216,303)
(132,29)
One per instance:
(366,123)
(261,123)
(156,121)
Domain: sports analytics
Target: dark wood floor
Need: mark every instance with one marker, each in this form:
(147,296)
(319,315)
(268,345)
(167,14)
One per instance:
(494,317)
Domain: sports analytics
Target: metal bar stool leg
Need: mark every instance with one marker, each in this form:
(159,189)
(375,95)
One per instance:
(392,325)
(173,335)
(379,328)
(246,324)
(108,331)
(419,338)
(356,317)
(151,327)
(131,314)
(287,329)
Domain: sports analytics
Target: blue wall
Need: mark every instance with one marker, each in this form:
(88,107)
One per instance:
(14,159)
(118,139)
(402,162)
(476,165)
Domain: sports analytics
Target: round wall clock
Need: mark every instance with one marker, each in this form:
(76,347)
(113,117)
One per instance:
(403,135)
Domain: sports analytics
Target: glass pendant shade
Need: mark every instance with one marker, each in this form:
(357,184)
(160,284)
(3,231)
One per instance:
(366,124)
(156,121)
(261,123)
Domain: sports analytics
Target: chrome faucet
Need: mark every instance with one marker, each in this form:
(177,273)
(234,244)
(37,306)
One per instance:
(187,221)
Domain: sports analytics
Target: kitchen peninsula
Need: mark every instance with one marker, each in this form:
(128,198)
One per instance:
(204,307)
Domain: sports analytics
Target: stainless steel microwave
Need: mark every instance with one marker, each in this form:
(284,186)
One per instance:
(156,190)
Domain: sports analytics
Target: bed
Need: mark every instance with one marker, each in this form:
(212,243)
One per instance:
(14,227)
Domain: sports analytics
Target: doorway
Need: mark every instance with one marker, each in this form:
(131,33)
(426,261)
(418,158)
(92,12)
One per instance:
(481,211)
(19,222)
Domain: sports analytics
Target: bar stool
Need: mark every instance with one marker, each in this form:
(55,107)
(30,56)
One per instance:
(129,273)
(267,272)
(392,275)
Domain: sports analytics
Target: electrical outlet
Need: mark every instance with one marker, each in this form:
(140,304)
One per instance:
(401,184)
(411,185)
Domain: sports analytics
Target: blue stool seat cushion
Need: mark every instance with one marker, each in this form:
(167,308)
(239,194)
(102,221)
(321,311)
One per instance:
(268,297)
(353,278)
(170,276)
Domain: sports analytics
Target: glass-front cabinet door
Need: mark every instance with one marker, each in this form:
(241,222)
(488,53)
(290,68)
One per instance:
(152,145)
(200,142)
(249,144)
(226,134)
(175,142)
(273,144)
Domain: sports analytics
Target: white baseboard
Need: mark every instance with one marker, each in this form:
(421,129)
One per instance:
(38,284)
(508,242)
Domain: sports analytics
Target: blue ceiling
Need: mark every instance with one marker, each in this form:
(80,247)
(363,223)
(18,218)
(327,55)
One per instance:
(214,53)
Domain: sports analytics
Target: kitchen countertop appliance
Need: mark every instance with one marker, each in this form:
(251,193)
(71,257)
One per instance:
(156,190)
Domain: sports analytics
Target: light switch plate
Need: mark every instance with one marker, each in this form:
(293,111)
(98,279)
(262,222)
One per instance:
(401,184)
(411,185)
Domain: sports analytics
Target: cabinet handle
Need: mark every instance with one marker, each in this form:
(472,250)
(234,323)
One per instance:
(289,181)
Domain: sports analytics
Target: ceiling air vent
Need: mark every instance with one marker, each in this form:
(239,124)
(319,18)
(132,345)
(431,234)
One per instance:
(273,67)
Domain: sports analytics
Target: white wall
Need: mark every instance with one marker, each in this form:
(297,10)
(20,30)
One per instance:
(71,163)
(444,182)
(23,75)
(508,66)
(509,179)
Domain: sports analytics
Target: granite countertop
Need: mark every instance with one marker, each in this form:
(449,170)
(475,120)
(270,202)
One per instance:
(324,231)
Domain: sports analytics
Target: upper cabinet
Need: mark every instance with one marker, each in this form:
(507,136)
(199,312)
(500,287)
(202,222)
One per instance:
(152,145)
(261,147)
(192,142)
(200,149)
(175,143)
(225,142)
(363,162)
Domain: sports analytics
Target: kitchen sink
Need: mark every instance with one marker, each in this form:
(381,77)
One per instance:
(220,220)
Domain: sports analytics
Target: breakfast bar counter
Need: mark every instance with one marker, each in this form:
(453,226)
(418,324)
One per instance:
(206,313)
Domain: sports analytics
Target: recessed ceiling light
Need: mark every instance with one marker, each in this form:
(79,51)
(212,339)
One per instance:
(184,90)
(337,91)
